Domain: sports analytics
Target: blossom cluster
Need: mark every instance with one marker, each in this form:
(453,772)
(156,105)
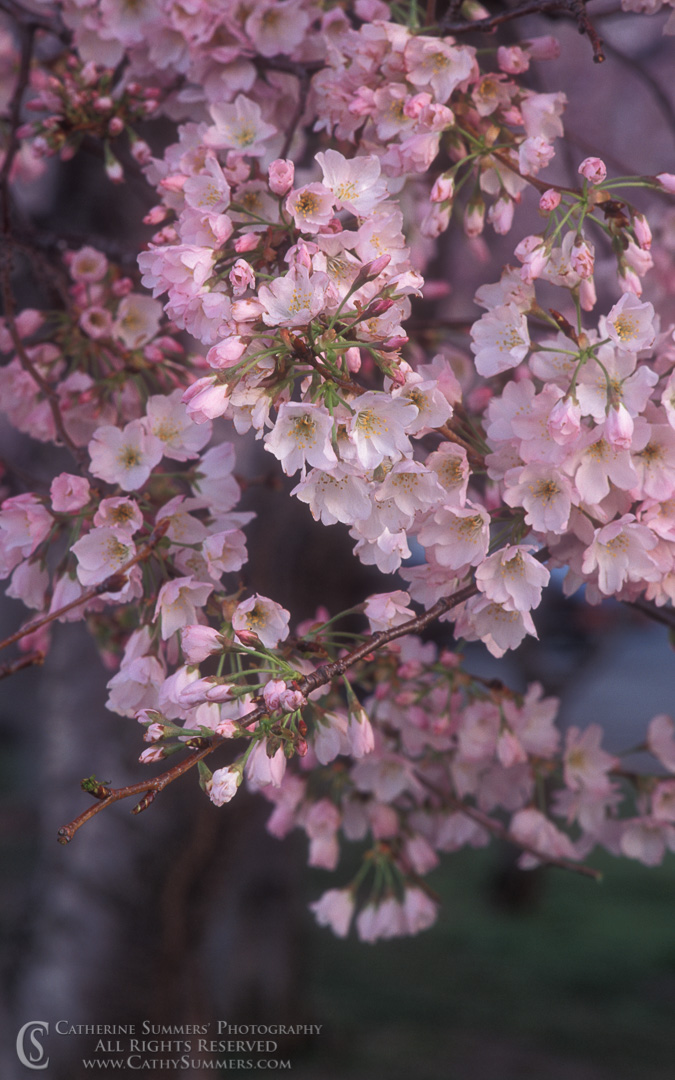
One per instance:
(317,155)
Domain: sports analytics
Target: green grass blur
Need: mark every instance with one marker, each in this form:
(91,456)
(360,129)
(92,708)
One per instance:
(578,982)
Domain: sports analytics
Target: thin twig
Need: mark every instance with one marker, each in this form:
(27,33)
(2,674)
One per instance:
(452,436)
(303,90)
(9,311)
(114,582)
(320,677)
(501,831)
(29,18)
(33,659)
(664,615)
(575,9)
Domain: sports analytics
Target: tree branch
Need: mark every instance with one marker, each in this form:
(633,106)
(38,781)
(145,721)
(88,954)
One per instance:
(13,143)
(575,9)
(320,677)
(501,831)
(112,583)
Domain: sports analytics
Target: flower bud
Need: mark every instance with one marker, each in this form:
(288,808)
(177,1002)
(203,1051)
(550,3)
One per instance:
(619,427)
(593,169)
(667,181)
(281,175)
(643,233)
(549,201)
(443,189)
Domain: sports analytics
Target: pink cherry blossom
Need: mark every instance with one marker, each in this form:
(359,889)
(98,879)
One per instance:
(124,456)
(69,493)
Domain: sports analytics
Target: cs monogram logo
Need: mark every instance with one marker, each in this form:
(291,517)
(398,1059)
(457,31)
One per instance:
(31,1033)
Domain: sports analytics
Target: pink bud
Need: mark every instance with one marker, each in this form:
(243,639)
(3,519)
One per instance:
(226,354)
(122,287)
(500,215)
(564,421)
(667,181)
(593,169)
(247,242)
(198,642)
(545,47)
(587,294)
(154,216)
(281,174)
(369,271)
(443,189)
(115,126)
(629,282)
(643,234)
(241,277)
(549,201)
(353,358)
(175,182)
(140,151)
(272,692)
(474,218)
(153,753)
(113,169)
(582,259)
(89,75)
(415,105)
(377,308)
(363,104)
(619,427)
(512,59)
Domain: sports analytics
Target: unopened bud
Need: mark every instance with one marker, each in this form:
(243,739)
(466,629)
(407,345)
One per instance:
(377,308)
(369,271)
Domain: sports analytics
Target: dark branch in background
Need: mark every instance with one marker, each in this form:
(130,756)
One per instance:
(321,676)
(303,90)
(112,584)
(32,660)
(575,9)
(13,142)
(664,615)
(501,831)
(11,149)
(32,19)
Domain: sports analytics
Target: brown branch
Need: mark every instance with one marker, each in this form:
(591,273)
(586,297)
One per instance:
(452,436)
(13,142)
(67,832)
(112,583)
(303,90)
(27,364)
(503,833)
(664,615)
(9,310)
(575,9)
(28,18)
(36,658)
(320,677)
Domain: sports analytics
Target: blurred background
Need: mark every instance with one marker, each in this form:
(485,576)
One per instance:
(189,914)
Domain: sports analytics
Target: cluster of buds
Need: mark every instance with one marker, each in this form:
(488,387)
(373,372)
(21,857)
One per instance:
(80,100)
